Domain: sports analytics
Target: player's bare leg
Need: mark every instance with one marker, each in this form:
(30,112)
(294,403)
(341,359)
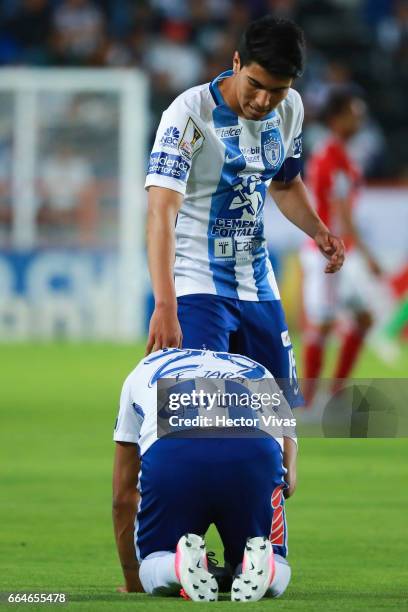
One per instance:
(315,340)
(352,343)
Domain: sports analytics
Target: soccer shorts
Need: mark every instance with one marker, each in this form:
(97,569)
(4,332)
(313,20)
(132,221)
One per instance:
(188,484)
(353,289)
(257,330)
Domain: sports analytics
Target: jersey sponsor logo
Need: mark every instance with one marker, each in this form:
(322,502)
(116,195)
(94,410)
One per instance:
(236,227)
(251,154)
(297,145)
(223,247)
(229,132)
(273,150)
(270,124)
(165,164)
(191,141)
(237,248)
(246,195)
(246,246)
(170,138)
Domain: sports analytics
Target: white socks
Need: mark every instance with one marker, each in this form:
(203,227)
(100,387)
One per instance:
(281,578)
(158,571)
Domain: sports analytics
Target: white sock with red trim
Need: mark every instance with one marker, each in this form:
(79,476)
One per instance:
(158,571)
(282,576)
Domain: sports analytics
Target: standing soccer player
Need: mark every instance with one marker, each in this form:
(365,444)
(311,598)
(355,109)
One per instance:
(219,148)
(333,179)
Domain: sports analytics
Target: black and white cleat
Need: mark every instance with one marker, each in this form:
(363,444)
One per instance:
(191,569)
(258,569)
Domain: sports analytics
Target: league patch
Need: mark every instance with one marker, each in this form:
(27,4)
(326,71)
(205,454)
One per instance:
(165,164)
(297,145)
(170,138)
(191,141)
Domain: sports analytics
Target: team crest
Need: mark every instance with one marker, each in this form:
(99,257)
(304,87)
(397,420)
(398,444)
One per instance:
(273,150)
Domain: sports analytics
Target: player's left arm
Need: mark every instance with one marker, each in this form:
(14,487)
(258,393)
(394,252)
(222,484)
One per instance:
(289,461)
(124,507)
(294,202)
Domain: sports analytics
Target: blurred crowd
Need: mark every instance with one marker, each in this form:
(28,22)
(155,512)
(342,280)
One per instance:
(179,43)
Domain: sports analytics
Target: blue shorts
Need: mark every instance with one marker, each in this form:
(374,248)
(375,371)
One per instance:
(257,330)
(188,484)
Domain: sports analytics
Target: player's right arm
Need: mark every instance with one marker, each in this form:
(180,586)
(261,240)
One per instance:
(179,138)
(124,507)
(163,206)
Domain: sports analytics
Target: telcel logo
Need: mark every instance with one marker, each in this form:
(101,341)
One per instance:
(229,132)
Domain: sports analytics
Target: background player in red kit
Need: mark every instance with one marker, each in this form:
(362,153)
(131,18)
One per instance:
(333,178)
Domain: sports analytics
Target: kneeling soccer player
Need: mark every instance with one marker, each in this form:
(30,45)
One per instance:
(179,486)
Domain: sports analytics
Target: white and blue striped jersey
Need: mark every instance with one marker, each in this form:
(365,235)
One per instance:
(137,418)
(223,165)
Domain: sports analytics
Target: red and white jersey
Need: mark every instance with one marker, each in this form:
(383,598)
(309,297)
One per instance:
(332,175)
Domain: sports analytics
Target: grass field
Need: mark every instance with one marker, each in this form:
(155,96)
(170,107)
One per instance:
(347,522)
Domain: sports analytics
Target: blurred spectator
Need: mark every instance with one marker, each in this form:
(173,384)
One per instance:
(172,55)
(30,29)
(78,27)
(393,30)
(68,198)
(180,43)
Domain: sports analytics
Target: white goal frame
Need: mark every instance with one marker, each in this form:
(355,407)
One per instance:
(132,87)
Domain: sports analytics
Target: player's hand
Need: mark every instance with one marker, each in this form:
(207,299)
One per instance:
(332,248)
(164,329)
(291,481)
(130,589)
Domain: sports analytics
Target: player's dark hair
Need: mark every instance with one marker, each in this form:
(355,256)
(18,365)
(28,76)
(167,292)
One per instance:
(278,45)
(338,102)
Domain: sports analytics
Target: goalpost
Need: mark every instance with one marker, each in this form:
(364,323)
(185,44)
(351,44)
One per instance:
(48,126)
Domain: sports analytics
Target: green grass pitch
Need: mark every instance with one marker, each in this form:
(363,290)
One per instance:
(347,521)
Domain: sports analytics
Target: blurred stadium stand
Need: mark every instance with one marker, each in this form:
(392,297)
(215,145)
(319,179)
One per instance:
(77,162)
(182,42)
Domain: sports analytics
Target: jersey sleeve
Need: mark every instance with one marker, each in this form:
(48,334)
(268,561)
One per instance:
(130,418)
(291,166)
(178,139)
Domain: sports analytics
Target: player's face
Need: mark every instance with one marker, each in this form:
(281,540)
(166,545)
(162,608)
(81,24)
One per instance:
(258,91)
(353,117)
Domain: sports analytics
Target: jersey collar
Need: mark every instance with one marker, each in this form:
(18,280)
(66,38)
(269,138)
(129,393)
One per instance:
(215,90)
(217,96)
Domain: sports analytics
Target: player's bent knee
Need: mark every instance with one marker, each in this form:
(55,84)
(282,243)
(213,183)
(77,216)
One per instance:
(282,577)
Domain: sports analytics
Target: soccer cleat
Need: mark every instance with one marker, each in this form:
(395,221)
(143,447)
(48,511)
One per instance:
(258,570)
(191,569)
